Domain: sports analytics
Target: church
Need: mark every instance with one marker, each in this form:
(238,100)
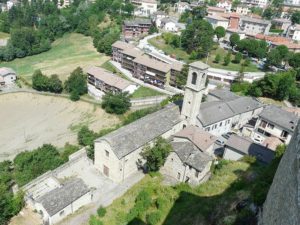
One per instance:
(193,131)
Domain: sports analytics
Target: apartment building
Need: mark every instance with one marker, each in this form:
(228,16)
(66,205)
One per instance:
(136,28)
(144,8)
(252,26)
(217,21)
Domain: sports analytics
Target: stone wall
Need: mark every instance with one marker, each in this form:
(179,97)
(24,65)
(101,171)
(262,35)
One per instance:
(282,206)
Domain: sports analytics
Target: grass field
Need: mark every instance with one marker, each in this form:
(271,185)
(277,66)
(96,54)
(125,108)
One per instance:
(67,53)
(142,92)
(159,43)
(209,203)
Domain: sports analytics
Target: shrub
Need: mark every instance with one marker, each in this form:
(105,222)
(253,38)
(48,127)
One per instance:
(217,58)
(76,84)
(238,57)
(117,103)
(153,218)
(94,221)
(101,211)
(249,159)
(227,59)
(161,203)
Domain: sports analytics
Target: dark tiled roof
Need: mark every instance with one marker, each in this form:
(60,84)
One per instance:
(191,155)
(248,147)
(280,117)
(223,94)
(59,198)
(244,104)
(135,135)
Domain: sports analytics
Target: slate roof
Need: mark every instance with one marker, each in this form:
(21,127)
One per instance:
(248,147)
(280,117)
(136,134)
(137,22)
(202,139)
(213,112)
(122,45)
(152,63)
(228,106)
(108,78)
(132,52)
(4,71)
(191,155)
(223,94)
(244,104)
(216,17)
(59,198)
(255,20)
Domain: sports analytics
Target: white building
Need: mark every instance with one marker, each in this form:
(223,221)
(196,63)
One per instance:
(181,7)
(216,21)
(294,32)
(169,25)
(259,3)
(7,76)
(242,9)
(144,8)
(225,4)
(292,2)
(237,147)
(63,201)
(274,122)
(252,26)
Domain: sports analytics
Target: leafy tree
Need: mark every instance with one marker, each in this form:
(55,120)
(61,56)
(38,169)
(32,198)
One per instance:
(55,84)
(39,81)
(86,136)
(235,3)
(76,84)
(181,78)
(117,103)
(268,13)
(68,150)
(217,58)
(234,39)
(227,59)
(156,156)
(220,32)
(238,57)
(153,29)
(295,17)
(274,57)
(198,38)
(199,13)
(294,60)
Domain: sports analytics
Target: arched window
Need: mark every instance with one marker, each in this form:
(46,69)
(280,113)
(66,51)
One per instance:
(194,78)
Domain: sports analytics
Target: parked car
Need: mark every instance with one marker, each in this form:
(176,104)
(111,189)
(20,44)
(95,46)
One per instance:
(220,142)
(226,136)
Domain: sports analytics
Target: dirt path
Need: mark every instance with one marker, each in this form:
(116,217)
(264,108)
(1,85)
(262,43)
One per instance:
(29,120)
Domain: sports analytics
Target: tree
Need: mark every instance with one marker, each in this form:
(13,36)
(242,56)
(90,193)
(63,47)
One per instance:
(153,29)
(268,13)
(197,38)
(227,59)
(39,81)
(55,84)
(156,156)
(86,136)
(295,17)
(181,77)
(234,39)
(76,84)
(274,58)
(217,58)
(238,57)
(220,32)
(294,60)
(117,103)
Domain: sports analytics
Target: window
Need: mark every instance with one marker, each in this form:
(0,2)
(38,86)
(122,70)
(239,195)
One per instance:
(194,78)
(178,176)
(221,124)
(271,126)
(61,212)
(197,174)
(263,124)
(260,131)
(107,153)
(284,134)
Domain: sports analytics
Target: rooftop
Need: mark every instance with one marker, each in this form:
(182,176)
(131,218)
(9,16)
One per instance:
(122,45)
(108,78)
(189,154)
(255,20)
(59,198)
(202,139)
(199,65)
(135,135)
(152,63)
(132,52)
(216,17)
(137,22)
(280,117)
(223,94)
(248,147)
(4,71)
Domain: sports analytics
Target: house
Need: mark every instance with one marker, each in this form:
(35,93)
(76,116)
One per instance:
(213,9)
(144,8)
(203,140)
(237,147)
(225,110)
(63,200)
(294,32)
(215,20)
(274,122)
(181,7)
(169,24)
(117,48)
(117,154)
(281,24)
(252,26)
(7,76)
(256,3)
(242,9)
(100,80)
(136,28)
(186,163)
(225,4)
(157,17)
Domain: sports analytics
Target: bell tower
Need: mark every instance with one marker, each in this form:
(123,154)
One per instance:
(193,92)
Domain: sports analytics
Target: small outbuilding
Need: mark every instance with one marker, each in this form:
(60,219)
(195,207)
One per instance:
(7,76)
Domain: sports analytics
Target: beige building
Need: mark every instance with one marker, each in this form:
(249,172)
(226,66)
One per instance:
(117,155)
(217,21)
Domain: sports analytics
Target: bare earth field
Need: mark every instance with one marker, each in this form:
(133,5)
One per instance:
(30,120)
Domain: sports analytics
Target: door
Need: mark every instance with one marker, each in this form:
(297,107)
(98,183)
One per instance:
(106,170)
